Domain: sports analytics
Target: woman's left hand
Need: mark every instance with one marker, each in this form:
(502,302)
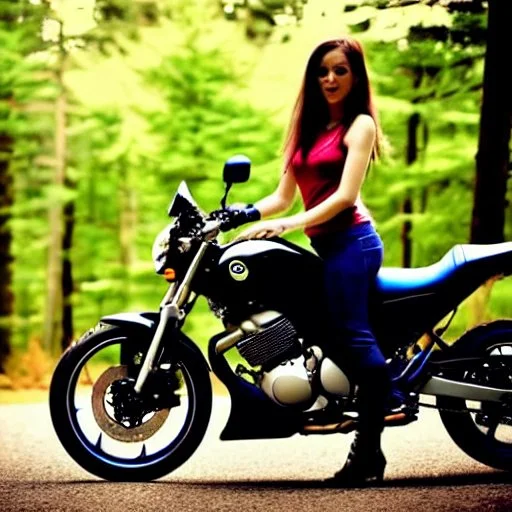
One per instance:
(266,229)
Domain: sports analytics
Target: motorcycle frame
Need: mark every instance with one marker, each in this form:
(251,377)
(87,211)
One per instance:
(253,414)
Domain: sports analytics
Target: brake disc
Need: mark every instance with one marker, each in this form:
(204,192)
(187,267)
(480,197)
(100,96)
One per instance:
(108,423)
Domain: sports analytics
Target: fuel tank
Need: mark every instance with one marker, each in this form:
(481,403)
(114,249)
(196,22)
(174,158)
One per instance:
(269,274)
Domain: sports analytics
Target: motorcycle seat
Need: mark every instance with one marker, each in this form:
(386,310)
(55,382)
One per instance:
(479,261)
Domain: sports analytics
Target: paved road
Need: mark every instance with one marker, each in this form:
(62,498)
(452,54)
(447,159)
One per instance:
(425,469)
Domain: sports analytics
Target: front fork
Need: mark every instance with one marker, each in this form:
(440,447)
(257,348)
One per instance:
(171,313)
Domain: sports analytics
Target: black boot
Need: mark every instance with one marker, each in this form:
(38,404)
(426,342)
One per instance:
(365,463)
(364,466)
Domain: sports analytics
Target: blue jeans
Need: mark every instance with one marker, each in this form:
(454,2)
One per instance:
(352,259)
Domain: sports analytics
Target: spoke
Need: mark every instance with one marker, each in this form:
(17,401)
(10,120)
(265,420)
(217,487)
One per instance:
(143,452)
(98,442)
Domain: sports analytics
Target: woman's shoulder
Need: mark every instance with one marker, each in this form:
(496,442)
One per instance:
(362,127)
(363,122)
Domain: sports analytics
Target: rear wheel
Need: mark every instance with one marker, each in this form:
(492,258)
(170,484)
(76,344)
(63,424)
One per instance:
(483,430)
(111,431)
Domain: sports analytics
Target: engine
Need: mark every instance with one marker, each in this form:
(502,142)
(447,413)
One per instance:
(270,341)
(273,342)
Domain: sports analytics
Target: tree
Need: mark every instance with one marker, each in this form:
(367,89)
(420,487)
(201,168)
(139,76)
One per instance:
(54,313)
(413,124)
(6,201)
(260,17)
(428,85)
(493,153)
(493,156)
(112,18)
(202,124)
(18,37)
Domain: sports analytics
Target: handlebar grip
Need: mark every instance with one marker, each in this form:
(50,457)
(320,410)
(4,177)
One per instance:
(236,218)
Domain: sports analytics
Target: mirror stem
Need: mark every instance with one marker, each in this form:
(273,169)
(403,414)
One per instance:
(223,201)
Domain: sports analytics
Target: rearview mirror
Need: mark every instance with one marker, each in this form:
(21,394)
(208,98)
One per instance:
(237,169)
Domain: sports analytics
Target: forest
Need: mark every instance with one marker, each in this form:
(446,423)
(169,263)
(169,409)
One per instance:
(107,105)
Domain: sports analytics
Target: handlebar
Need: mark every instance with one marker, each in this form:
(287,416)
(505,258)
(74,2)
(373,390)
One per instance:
(211,229)
(231,218)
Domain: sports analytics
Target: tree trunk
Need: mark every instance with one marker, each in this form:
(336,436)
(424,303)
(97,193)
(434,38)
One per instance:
(67,276)
(6,295)
(54,298)
(406,234)
(407,205)
(492,159)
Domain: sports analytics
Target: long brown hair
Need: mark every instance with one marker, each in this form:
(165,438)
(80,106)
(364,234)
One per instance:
(311,115)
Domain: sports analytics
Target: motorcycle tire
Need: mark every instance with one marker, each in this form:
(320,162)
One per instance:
(478,438)
(99,443)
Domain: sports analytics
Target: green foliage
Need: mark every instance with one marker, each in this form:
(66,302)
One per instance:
(127,158)
(260,17)
(203,124)
(22,85)
(469,28)
(115,175)
(439,81)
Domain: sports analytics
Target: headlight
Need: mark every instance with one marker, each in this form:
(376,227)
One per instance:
(161,248)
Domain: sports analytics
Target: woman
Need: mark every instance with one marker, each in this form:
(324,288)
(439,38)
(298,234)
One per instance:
(333,136)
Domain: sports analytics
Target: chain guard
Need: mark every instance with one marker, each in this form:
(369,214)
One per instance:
(112,427)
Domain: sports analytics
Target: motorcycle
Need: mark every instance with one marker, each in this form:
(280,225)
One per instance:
(148,406)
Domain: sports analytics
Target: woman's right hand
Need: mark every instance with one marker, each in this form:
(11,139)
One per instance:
(236,217)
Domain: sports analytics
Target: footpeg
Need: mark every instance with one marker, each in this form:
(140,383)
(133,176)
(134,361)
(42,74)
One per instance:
(349,423)
(343,427)
(399,419)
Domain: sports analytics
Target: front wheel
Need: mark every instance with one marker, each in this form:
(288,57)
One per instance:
(483,430)
(112,432)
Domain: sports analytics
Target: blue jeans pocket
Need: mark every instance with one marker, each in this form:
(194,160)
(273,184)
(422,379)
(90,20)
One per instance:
(372,251)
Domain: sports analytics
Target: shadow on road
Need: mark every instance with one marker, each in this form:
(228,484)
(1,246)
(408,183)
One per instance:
(455,480)
(452,480)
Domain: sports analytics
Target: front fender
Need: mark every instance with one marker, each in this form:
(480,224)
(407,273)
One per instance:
(148,322)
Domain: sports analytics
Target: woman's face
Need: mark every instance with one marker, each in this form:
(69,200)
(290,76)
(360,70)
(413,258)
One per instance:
(335,76)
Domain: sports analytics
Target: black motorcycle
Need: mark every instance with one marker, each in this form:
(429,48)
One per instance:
(131,399)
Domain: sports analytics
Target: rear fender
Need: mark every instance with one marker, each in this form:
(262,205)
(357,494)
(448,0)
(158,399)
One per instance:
(470,343)
(147,323)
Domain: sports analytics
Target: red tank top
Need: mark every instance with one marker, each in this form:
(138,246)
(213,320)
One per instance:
(319,176)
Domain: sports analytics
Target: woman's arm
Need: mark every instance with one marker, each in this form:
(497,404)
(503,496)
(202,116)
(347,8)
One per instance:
(359,140)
